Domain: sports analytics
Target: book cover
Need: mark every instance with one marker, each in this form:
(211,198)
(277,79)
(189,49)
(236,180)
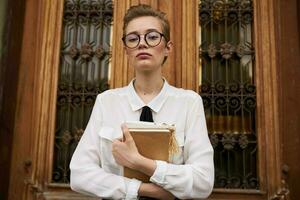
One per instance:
(154,141)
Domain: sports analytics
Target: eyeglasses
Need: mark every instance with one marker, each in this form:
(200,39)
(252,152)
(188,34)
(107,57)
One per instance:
(152,39)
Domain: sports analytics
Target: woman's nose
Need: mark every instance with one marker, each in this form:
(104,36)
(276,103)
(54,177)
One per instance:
(143,42)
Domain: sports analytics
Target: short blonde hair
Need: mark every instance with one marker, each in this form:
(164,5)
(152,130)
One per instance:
(143,10)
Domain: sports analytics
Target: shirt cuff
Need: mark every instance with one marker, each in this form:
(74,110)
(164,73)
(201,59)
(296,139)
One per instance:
(159,174)
(132,189)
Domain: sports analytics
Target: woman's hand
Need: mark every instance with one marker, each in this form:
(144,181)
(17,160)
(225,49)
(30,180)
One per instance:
(125,152)
(154,191)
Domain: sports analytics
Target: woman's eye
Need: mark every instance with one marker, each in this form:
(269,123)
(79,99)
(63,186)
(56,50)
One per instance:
(132,38)
(152,36)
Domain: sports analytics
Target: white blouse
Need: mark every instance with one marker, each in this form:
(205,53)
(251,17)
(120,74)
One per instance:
(190,175)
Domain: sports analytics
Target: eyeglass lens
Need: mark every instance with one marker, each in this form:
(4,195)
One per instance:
(152,39)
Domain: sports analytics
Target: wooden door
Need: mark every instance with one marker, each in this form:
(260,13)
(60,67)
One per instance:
(33,156)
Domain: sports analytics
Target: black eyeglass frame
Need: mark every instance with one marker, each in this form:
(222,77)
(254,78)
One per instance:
(145,39)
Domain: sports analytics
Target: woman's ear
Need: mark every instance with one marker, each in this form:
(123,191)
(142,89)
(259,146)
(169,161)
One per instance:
(169,48)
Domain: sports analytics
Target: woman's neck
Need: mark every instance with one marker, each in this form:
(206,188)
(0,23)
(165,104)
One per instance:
(148,87)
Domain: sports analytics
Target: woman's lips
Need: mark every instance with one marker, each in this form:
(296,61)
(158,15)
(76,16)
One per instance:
(143,55)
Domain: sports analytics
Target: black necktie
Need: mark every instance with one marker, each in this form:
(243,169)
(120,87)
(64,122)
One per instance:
(146,114)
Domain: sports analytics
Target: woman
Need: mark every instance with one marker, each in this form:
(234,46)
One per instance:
(98,161)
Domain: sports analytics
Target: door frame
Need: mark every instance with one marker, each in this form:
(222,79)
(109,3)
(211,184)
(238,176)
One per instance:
(33,140)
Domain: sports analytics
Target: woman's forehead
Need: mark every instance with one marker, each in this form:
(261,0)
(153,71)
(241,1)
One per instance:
(142,24)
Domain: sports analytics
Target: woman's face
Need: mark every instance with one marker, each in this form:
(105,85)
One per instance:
(145,58)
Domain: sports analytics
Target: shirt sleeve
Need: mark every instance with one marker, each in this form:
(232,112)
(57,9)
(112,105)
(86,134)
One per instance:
(87,177)
(195,178)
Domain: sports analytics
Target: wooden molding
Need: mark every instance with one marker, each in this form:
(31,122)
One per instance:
(267,96)
(36,100)
(49,37)
(190,44)
(49,63)
(120,70)
(65,196)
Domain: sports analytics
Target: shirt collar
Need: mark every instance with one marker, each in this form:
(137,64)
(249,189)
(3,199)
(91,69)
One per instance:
(155,104)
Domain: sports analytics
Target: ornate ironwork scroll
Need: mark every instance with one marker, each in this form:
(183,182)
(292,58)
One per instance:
(84,70)
(228,89)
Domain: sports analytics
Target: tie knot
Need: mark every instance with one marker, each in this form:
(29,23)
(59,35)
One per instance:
(146,114)
(146,108)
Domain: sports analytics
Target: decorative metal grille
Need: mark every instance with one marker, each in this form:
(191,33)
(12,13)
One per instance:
(84,70)
(228,90)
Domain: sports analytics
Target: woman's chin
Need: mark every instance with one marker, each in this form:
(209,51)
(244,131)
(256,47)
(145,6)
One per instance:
(144,71)
(144,67)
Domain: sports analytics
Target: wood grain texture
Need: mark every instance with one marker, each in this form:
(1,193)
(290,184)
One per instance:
(266,73)
(36,99)
(288,25)
(11,43)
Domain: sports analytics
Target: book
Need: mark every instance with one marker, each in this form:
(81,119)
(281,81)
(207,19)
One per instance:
(154,141)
